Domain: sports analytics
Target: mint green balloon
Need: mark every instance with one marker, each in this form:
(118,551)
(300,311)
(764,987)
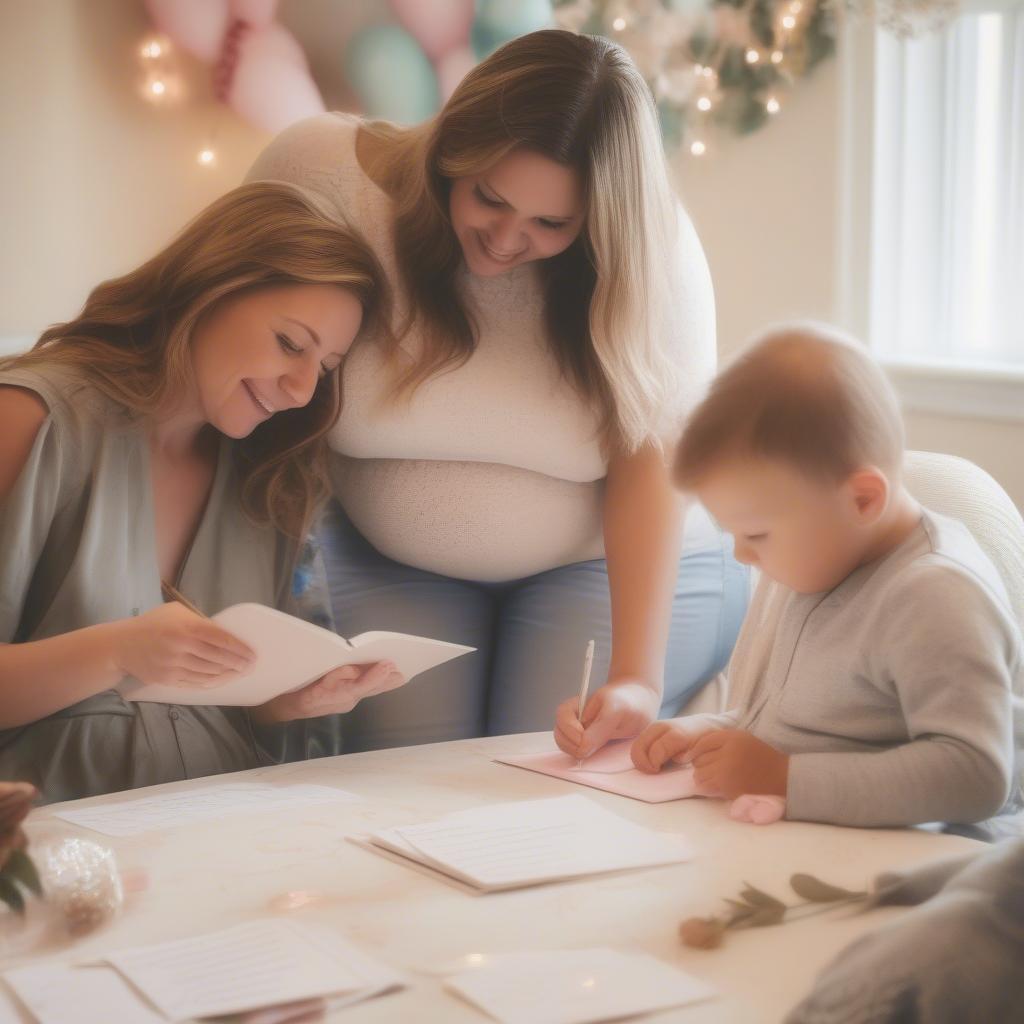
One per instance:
(392,75)
(498,21)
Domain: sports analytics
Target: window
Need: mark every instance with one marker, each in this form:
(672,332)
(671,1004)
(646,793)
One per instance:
(946,278)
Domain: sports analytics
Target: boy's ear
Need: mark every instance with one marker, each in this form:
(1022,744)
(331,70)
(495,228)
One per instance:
(869,489)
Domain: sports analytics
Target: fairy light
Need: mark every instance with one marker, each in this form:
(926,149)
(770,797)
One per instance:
(619,24)
(772,105)
(796,7)
(157,87)
(753,56)
(776,56)
(206,157)
(704,103)
(697,148)
(789,22)
(151,49)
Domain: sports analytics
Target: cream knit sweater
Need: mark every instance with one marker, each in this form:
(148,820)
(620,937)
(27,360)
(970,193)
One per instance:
(493,471)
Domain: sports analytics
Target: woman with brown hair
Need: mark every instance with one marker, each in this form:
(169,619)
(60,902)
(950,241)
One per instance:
(172,433)
(500,467)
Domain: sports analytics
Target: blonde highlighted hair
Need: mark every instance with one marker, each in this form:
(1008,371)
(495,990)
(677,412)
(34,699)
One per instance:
(580,101)
(132,340)
(804,394)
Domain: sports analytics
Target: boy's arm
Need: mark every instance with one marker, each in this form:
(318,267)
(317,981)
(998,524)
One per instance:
(952,658)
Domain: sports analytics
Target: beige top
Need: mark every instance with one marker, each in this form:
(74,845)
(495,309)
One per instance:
(78,543)
(494,470)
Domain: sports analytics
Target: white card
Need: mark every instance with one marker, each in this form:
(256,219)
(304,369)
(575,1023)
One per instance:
(509,845)
(57,994)
(575,986)
(173,810)
(252,965)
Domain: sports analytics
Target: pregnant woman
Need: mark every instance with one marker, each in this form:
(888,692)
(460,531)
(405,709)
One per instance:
(499,462)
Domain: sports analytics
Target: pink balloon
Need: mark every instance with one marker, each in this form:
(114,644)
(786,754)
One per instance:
(438,25)
(452,68)
(197,26)
(271,86)
(258,13)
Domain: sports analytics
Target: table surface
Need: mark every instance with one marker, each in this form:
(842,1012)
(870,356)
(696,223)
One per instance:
(202,877)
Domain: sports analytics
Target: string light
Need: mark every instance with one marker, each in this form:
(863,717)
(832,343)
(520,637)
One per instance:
(207,157)
(151,49)
(619,24)
(776,56)
(704,103)
(789,22)
(697,148)
(157,87)
(772,106)
(753,56)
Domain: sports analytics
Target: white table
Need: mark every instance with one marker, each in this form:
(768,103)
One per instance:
(204,877)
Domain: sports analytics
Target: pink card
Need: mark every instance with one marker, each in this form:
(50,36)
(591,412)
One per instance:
(612,770)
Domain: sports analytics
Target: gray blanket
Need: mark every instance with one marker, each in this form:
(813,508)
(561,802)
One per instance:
(956,958)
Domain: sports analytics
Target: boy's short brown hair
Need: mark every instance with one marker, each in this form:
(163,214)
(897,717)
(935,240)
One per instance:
(804,394)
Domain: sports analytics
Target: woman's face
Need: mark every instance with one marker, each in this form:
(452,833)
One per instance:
(260,352)
(525,207)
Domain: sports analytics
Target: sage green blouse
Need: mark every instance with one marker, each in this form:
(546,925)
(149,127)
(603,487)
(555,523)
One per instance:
(77,548)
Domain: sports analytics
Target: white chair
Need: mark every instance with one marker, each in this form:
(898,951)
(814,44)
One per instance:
(959,489)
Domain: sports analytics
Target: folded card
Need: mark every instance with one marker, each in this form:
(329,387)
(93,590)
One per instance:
(291,653)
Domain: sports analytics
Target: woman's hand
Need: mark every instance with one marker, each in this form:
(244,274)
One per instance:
(619,710)
(335,693)
(174,646)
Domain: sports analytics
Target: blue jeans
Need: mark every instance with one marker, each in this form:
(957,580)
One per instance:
(530,636)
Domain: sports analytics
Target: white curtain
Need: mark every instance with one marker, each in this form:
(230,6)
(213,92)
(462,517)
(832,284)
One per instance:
(947,269)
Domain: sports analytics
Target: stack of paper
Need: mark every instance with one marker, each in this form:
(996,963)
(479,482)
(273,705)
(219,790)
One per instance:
(248,967)
(507,846)
(611,769)
(575,986)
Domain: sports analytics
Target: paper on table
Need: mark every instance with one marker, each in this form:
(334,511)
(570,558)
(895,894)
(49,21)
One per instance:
(58,993)
(507,846)
(610,769)
(260,963)
(172,810)
(575,986)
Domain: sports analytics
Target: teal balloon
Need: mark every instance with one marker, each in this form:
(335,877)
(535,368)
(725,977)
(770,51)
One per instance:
(498,21)
(392,75)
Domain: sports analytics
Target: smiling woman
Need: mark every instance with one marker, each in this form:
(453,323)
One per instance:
(174,431)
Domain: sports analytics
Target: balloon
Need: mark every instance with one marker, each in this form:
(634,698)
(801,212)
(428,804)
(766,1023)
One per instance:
(498,21)
(257,13)
(452,68)
(197,26)
(391,74)
(271,86)
(437,25)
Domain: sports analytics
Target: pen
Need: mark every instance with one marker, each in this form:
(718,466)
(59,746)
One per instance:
(588,664)
(173,594)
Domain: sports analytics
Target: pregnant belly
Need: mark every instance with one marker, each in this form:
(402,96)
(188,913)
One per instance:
(471,520)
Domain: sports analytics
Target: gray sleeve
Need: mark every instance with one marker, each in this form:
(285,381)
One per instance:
(948,653)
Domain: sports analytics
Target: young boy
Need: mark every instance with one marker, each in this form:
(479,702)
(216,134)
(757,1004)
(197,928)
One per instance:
(877,679)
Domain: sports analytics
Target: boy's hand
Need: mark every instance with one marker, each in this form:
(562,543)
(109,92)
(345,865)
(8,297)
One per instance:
(616,711)
(730,762)
(663,742)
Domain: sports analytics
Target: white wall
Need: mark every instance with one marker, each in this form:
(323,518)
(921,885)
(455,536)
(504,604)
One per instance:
(767,209)
(93,180)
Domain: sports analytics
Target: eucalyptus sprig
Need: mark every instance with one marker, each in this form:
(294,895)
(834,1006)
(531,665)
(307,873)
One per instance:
(757,909)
